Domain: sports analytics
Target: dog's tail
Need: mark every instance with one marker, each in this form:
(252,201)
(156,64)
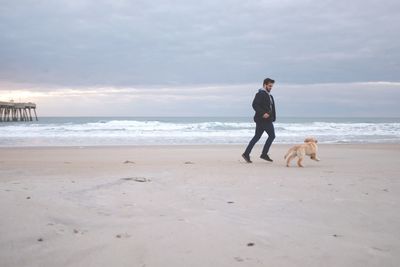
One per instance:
(290,151)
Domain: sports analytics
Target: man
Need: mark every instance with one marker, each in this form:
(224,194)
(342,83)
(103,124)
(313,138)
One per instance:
(264,106)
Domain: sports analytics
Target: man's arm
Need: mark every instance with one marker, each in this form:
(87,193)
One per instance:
(258,106)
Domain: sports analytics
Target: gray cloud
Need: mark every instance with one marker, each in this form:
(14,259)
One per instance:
(126,43)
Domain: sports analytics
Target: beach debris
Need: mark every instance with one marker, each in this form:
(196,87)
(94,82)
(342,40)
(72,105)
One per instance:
(250,244)
(141,179)
(76,231)
(129,162)
(188,162)
(40,239)
(230,202)
(137,179)
(124,235)
(386,190)
(335,235)
(28,197)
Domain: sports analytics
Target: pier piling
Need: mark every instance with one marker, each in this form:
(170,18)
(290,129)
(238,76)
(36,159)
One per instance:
(10,111)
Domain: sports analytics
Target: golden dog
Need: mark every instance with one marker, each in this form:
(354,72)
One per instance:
(309,148)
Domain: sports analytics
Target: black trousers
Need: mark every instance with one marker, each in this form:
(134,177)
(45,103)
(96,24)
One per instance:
(262,127)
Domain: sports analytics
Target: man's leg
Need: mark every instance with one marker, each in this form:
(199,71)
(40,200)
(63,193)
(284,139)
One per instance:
(270,130)
(254,140)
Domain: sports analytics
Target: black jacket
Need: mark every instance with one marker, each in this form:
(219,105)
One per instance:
(262,104)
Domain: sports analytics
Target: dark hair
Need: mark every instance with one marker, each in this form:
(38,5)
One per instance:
(268,80)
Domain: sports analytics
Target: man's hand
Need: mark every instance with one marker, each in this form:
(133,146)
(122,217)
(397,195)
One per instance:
(266,116)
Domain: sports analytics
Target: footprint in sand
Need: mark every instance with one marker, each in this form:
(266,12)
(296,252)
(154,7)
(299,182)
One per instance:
(239,259)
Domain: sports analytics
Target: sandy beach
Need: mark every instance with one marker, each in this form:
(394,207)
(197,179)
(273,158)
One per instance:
(199,206)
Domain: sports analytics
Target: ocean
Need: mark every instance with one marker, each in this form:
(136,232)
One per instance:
(105,131)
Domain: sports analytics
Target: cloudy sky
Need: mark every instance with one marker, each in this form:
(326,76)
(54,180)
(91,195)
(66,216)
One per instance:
(200,58)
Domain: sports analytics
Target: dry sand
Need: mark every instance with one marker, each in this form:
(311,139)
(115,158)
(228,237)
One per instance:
(199,206)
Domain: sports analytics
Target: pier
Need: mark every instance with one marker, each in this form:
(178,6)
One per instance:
(10,111)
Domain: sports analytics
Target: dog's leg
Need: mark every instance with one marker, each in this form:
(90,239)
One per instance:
(313,156)
(299,162)
(289,159)
(301,154)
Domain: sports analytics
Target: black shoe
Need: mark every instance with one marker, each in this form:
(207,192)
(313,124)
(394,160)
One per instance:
(266,157)
(246,158)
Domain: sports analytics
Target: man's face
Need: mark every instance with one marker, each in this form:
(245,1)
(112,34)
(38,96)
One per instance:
(268,86)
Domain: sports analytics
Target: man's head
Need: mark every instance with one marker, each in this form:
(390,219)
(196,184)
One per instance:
(268,83)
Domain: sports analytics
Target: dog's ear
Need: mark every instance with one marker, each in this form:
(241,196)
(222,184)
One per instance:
(310,139)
